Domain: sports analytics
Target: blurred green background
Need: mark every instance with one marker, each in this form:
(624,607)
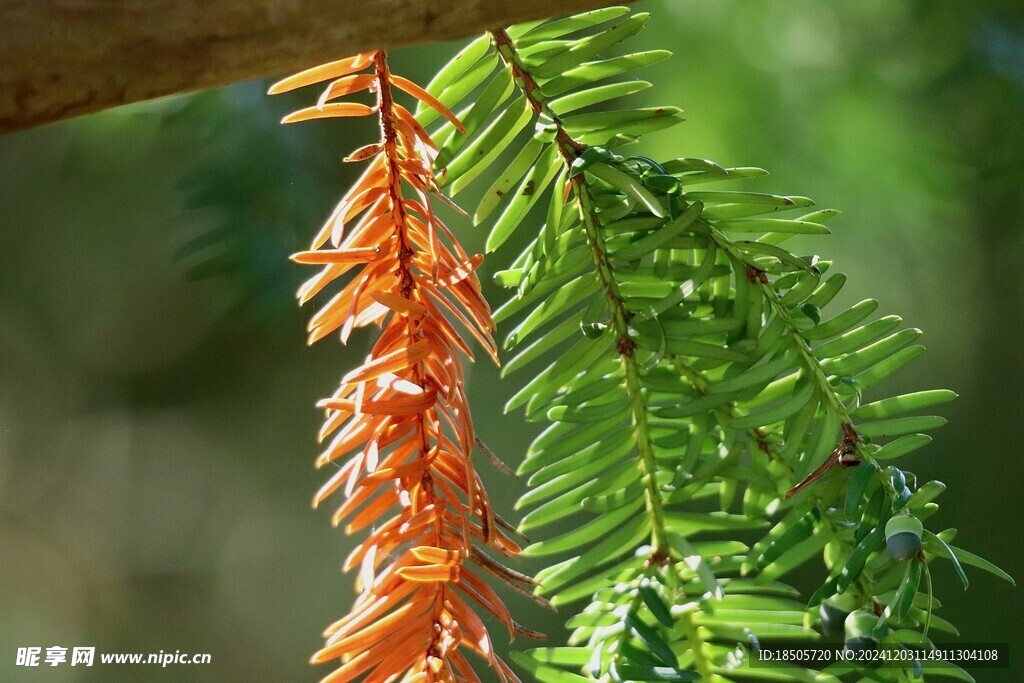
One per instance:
(156,395)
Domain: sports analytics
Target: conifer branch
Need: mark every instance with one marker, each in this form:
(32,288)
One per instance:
(403,416)
(570,150)
(717,344)
(680,350)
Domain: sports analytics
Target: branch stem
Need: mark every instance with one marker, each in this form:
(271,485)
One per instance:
(569,149)
(65,58)
(823,387)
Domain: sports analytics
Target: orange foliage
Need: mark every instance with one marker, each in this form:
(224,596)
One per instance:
(400,423)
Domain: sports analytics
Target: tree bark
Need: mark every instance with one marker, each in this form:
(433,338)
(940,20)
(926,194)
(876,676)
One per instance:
(63,58)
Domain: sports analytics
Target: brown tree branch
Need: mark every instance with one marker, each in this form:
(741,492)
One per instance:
(63,58)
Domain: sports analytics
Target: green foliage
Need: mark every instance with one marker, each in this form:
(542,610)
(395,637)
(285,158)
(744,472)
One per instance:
(250,190)
(713,423)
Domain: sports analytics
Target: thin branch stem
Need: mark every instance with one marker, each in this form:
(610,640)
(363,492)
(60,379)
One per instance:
(823,387)
(407,283)
(569,149)
(700,661)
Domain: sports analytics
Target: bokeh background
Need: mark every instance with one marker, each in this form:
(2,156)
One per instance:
(156,394)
